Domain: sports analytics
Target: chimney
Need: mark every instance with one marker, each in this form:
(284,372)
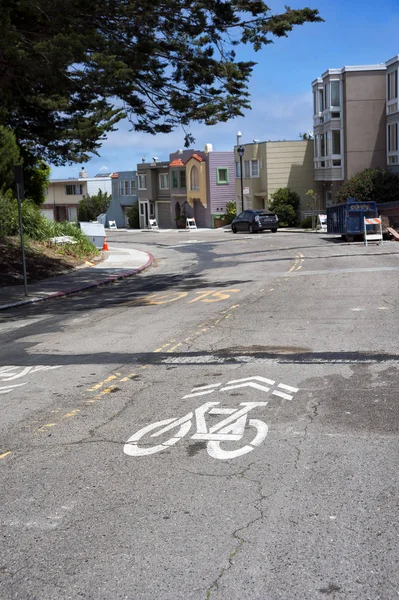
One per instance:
(208,148)
(83,174)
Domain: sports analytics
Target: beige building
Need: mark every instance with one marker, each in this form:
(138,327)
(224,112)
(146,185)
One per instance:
(269,166)
(392,113)
(349,107)
(64,195)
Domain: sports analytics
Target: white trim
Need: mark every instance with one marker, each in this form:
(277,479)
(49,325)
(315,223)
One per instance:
(392,61)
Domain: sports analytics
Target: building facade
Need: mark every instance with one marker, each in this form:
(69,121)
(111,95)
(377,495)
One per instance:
(154,193)
(349,107)
(269,166)
(202,182)
(392,114)
(63,195)
(124,195)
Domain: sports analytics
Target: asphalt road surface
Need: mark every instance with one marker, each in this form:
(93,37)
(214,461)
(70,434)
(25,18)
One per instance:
(223,426)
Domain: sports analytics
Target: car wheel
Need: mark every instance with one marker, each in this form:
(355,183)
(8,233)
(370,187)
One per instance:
(274,230)
(234,229)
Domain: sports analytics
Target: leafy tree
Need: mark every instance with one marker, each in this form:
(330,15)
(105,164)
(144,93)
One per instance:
(285,203)
(64,64)
(379,185)
(9,156)
(92,206)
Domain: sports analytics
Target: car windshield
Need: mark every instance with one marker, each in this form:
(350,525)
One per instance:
(264,213)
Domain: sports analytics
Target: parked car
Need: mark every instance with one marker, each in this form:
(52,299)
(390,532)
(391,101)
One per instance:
(255,220)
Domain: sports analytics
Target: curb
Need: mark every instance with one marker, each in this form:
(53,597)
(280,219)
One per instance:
(83,287)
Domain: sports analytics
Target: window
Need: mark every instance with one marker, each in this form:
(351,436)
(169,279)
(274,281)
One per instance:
(314,103)
(238,170)
(152,210)
(393,85)
(175,184)
(182,179)
(336,141)
(164,181)
(254,168)
(321,101)
(326,95)
(335,115)
(246,168)
(127,188)
(393,137)
(335,100)
(322,145)
(194,178)
(142,182)
(133,186)
(336,162)
(222,175)
(316,144)
(73,190)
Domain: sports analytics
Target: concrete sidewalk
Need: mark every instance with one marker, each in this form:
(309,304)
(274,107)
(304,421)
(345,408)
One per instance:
(119,263)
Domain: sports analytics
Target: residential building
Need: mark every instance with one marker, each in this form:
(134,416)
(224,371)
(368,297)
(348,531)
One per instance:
(349,107)
(269,166)
(392,114)
(202,182)
(124,195)
(63,195)
(154,193)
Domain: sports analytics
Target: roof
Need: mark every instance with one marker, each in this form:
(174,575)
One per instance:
(177,162)
(114,176)
(197,157)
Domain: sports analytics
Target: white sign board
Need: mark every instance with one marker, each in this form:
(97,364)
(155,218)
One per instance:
(245,190)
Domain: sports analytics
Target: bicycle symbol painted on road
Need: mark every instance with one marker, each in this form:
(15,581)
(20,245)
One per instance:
(230,429)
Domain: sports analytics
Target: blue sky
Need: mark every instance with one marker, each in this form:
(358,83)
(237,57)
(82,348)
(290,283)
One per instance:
(355,32)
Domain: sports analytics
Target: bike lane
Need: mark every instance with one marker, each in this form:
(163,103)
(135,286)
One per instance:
(292,517)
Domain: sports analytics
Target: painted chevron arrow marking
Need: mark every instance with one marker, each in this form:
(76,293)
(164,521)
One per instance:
(248,382)
(202,390)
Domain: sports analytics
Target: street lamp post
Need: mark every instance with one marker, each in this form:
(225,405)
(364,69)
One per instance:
(240,152)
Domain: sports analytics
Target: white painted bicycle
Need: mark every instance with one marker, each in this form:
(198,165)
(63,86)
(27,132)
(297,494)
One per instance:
(230,429)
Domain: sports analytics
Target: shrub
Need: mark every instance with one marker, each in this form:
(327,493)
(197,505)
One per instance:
(230,212)
(133,216)
(38,227)
(307,223)
(92,206)
(285,203)
(379,185)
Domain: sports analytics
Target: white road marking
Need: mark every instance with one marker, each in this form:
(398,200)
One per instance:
(248,384)
(282,395)
(6,389)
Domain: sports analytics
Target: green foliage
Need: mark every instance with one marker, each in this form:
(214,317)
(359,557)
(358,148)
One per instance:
(63,64)
(230,212)
(36,179)
(133,216)
(9,156)
(307,223)
(379,185)
(38,227)
(285,203)
(92,206)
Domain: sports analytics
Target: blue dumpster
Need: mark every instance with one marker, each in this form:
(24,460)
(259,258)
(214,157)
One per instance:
(347,219)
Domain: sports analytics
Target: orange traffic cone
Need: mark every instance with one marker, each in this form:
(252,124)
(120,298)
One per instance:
(105,246)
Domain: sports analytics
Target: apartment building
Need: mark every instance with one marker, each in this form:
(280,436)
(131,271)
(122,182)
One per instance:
(63,195)
(349,107)
(154,193)
(392,113)
(269,166)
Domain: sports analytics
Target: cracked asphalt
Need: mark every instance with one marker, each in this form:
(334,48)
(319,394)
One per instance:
(301,325)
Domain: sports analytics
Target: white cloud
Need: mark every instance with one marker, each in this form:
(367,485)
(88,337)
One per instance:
(274,116)
(103,169)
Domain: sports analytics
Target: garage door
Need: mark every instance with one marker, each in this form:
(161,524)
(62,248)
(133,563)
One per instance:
(163,215)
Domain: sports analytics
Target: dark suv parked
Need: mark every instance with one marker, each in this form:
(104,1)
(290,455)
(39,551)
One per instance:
(255,220)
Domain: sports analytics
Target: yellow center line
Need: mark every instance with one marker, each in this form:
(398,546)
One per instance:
(5,454)
(73,413)
(45,427)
